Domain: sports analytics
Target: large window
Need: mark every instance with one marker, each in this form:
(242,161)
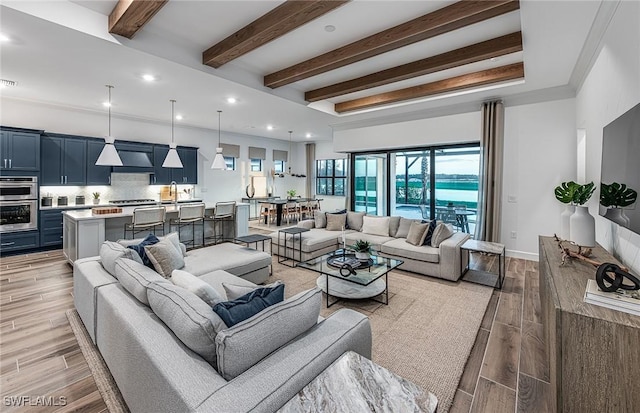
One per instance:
(256,165)
(432,182)
(231,162)
(278,166)
(331,176)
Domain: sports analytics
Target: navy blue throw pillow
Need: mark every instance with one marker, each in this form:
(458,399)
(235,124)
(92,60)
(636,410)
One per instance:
(250,304)
(432,227)
(139,248)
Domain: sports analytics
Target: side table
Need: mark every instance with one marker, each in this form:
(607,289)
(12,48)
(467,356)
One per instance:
(483,277)
(293,231)
(256,238)
(355,384)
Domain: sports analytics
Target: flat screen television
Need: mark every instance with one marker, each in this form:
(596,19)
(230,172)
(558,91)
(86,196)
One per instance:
(620,176)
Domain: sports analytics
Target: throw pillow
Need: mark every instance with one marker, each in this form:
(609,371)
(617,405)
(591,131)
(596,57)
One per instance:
(242,346)
(336,222)
(110,252)
(139,248)
(375,225)
(174,238)
(403,227)
(416,233)
(165,257)
(135,278)
(354,220)
(394,223)
(320,219)
(236,291)
(429,234)
(194,284)
(190,318)
(441,233)
(245,307)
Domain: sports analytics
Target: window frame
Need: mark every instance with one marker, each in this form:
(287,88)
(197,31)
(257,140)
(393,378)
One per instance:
(283,165)
(260,163)
(326,181)
(233,161)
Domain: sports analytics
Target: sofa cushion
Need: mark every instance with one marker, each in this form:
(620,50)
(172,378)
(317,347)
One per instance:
(375,240)
(403,227)
(172,236)
(110,252)
(139,248)
(136,277)
(401,249)
(237,347)
(234,258)
(417,233)
(336,222)
(197,286)
(375,225)
(320,218)
(354,220)
(246,306)
(429,234)
(235,291)
(190,318)
(165,257)
(442,232)
(394,223)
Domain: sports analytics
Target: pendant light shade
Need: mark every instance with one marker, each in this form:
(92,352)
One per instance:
(173,159)
(218,160)
(109,155)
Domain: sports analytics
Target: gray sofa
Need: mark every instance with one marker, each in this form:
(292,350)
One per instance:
(158,372)
(444,261)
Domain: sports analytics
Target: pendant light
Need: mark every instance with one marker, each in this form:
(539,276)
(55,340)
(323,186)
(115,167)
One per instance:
(109,155)
(218,161)
(289,162)
(173,159)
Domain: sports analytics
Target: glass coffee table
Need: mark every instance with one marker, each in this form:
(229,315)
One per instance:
(364,280)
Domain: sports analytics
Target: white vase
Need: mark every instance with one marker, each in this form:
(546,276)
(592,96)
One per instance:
(363,256)
(96,201)
(617,215)
(564,221)
(582,227)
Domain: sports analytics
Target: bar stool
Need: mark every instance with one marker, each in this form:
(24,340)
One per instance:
(190,214)
(145,220)
(224,212)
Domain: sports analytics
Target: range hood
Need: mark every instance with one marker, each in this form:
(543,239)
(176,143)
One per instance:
(134,161)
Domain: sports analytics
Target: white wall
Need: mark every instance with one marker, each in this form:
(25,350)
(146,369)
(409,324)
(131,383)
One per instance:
(539,153)
(212,185)
(611,87)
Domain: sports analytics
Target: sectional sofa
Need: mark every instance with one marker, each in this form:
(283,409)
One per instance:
(168,351)
(443,260)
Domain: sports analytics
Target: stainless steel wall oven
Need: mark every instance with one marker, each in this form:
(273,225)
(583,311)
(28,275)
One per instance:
(18,203)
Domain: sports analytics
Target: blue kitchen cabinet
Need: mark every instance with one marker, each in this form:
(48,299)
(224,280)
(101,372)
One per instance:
(19,241)
(64,162)
(160,175)
(19,151)
(189,173)
(51,228)
(96,175)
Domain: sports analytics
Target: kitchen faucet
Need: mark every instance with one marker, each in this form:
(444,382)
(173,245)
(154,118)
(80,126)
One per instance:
(175,193)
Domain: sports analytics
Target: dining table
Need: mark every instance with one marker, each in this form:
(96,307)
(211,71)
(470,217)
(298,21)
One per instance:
(279,204)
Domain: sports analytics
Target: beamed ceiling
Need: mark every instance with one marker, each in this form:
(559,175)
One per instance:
(129,16)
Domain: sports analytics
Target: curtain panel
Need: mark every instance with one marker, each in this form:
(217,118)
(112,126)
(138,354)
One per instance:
(490,179)
(310,152)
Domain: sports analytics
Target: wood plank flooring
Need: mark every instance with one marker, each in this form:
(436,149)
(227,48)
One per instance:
(39,356)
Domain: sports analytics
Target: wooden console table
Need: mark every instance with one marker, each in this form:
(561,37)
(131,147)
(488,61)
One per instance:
(594,352)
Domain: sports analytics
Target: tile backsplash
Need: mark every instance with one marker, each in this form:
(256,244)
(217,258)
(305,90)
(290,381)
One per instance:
(123,186)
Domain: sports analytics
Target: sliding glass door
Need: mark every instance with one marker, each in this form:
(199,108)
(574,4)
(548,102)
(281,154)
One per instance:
(411,184)
(369,183)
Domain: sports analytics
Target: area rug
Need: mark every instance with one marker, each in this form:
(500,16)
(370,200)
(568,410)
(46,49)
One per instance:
(425,334)
(104,381)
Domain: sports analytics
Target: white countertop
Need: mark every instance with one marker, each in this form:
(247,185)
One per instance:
(86,214)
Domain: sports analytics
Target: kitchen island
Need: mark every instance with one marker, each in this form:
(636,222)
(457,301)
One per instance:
(84,232)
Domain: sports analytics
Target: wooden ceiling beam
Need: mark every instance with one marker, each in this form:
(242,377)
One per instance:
(455,16)
(485,77)
(286,17)
(128,16)
(499,46)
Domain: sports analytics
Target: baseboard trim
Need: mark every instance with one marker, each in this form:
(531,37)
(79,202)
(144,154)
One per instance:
(530,256)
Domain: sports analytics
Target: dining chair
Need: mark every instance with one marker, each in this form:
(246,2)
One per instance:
(268,211)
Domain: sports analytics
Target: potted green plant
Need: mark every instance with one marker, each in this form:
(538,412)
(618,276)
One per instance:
(362,248)
(614,197)
(564,193)
(96,198)
(291,193)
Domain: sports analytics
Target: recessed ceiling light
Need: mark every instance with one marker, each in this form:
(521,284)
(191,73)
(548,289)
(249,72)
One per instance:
(106,104)
(308,135)
(6,83)
(269,127)
(179,117)
(329,28)
(231,100)
(149,78)
(4,38)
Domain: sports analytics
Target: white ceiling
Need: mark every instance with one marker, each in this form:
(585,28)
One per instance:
(61,53)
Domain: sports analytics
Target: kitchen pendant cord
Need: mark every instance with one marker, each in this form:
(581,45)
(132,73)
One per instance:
(109,107)
(173,101)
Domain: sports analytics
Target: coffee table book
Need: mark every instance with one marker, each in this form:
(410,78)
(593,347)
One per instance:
(621,300)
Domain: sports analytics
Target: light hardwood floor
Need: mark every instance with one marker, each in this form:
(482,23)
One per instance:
(39,356)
